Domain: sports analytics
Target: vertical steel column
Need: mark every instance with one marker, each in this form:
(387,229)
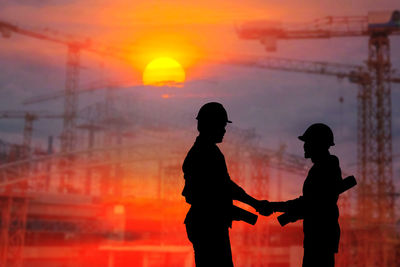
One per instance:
(5,212)
(119,170)
(365,203)
(28,129)
(88,178)
(364,128)
(71,100)
(259,238)
(105,176)
(13,229)
(381,145)
(68,136)
(380,157)
(279,156)
(17,231)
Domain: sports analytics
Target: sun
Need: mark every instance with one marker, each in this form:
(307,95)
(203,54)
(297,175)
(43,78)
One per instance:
(163,71)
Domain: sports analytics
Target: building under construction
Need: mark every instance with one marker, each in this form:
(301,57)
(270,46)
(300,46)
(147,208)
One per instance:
(106,198)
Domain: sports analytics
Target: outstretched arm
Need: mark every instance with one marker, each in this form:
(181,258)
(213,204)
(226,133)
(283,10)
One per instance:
(260,206)
(293,210)
(293,206)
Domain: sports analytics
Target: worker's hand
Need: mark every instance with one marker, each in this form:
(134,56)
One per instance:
(264,207)
(279,206)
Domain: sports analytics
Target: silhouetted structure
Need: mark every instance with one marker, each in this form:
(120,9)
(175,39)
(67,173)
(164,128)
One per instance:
(210,191)
(318,204)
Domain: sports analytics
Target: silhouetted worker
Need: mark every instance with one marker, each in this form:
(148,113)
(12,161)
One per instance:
(210,191)
(318,204)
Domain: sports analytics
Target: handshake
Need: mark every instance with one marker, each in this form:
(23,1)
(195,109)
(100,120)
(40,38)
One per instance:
(290,208)
(264,207)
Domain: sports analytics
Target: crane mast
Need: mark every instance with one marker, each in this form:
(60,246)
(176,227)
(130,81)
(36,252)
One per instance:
(75,46)
(29,117)
(68,137)
(376,191)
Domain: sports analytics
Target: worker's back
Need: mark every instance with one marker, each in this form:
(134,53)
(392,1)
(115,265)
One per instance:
(321,214)
(207,185)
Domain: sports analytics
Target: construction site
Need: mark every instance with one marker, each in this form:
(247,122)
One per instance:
(106,189)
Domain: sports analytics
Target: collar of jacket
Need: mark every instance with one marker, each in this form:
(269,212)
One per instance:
(204,141)
(322,158)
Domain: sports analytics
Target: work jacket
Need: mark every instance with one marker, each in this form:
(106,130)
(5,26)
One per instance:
(208,188)
(318,205)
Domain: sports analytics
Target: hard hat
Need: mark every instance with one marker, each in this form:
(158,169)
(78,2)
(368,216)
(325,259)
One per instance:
(318,133)
(213,111)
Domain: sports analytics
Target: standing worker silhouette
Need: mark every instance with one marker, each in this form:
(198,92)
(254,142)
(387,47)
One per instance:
(210,191)
(318,204)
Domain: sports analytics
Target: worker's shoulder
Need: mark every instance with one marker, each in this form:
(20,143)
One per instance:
(331,164)
(199,150)
(328,163)
(198,154)
(206,149)
(192,153)
(334,160)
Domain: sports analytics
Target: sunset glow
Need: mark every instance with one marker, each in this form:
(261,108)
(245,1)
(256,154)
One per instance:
(163,70)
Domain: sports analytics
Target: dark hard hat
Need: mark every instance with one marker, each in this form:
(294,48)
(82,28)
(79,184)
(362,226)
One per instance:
(318,133)
(213,111)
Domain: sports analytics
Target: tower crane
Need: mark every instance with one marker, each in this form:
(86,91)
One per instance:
(74,46)
(374,111)
(357,74)
(29,117)
(15,208)
(91,87)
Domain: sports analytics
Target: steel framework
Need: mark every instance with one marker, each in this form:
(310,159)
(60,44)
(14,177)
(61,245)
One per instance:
(376,190)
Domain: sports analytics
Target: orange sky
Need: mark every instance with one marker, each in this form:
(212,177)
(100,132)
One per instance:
(188,31)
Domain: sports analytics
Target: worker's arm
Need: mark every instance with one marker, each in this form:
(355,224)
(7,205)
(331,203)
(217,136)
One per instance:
(347,183)
(322,190)
(239,214)
(324,195)
(261,206)
(294,205)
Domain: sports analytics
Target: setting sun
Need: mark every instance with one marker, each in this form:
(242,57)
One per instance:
(162,71)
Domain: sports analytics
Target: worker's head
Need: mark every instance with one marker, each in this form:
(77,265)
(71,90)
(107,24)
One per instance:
(318,138)
(211,121)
